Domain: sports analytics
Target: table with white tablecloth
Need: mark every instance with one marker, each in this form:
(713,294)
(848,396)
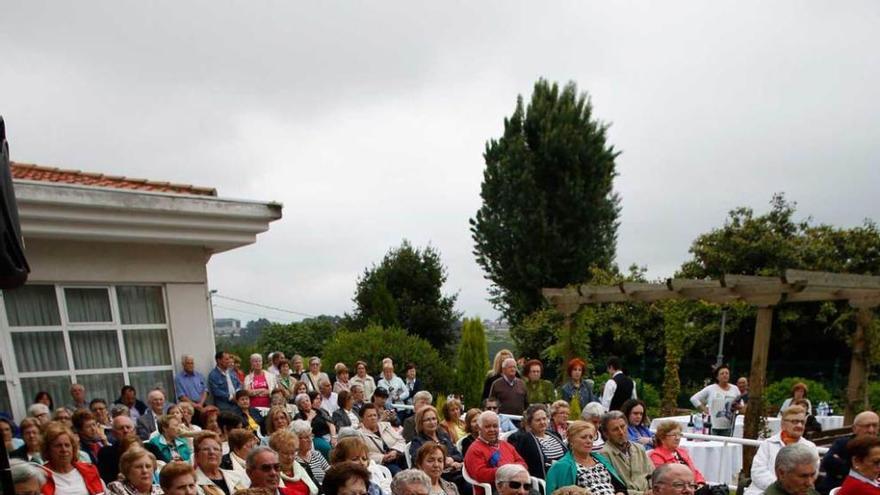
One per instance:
(773,424)
(718,461)
(830,422)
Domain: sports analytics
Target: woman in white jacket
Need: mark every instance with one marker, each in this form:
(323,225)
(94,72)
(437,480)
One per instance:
(716,399)
(763,465)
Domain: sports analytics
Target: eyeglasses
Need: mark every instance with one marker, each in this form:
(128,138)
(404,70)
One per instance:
(210,449)
(679,485)
(519,485)
(795,421)
(673,435)
(268,468)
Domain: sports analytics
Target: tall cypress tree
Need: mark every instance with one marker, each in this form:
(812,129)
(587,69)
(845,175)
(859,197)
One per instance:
(549,210)
(473,361)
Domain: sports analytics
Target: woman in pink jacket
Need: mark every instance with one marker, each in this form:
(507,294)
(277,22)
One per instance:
(666,449)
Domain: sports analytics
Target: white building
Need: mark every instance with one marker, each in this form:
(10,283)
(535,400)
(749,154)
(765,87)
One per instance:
(118,286)
(227,327)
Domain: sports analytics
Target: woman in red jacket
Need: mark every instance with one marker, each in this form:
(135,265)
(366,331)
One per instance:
(67,475)
(864,450)
(667,450)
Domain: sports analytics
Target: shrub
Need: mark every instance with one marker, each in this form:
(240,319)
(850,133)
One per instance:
(776,393)
(375,343)
(473,362)
(306,338)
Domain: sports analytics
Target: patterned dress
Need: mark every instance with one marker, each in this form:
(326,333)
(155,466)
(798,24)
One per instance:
(595,478)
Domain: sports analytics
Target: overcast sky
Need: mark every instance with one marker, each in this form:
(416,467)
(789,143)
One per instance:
(368,120)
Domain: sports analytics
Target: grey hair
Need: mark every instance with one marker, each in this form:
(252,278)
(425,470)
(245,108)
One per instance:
(313,359)
(347,431)
(256,355)
(37,409)
(508,360)
(592,410)
(301,427)
(323,380)
(23,471)
(300,398)
(507,472)
(659,474)
(355,386)
(609,417)
(252,455)
(184,357)
(423,395)
(796,454)
(409,477)
(486,415)
(118,410)
(530,412)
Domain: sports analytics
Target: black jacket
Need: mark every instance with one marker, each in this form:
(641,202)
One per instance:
(835,466)
(528,448)
(108,463)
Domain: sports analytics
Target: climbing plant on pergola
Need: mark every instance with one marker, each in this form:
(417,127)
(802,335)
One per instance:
(765,293)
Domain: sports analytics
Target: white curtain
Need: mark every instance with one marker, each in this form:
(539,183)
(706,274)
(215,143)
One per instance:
(140,305)
(144,381)
(39,351)
(88,305)
(57,386)
(147,347)
(32,306)
(95,349)
(104,386)
(5,406)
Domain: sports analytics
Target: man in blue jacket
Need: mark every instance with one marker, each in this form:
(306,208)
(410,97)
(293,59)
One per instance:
(222,382)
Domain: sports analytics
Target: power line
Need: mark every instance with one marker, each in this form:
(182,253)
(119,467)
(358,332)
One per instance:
(264,306)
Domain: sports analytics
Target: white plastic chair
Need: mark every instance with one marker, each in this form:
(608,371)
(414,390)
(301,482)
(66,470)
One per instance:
(487,488)
(506,434)
(408,455)
(539,485)
(834,491)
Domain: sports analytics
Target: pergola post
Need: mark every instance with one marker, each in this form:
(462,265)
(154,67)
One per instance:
(858,368)
(757,379)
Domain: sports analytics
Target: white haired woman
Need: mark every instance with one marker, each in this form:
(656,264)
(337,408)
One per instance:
(592,413)
(258,383)
(306,453)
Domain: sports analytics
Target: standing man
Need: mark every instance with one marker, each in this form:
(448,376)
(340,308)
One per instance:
(78,398)
(190,384)
(795,468)
(629,459)
(223,382)
(148,423)
(837,463)
(619,389)
(510,391)
(275,358)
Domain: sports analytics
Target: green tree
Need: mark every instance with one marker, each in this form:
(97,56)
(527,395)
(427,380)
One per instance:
(405,290)
(376,343)
(306,337)
(473,361)
(549,212)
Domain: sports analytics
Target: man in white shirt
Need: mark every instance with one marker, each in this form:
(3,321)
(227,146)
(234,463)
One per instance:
(763,473)
(619,388)
(329,400)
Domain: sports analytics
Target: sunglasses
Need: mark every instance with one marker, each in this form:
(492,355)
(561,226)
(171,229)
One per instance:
(268,468)
(519,485)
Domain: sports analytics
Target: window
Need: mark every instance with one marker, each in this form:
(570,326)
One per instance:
(100,336)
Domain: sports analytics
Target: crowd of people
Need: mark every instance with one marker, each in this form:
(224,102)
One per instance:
(288,429)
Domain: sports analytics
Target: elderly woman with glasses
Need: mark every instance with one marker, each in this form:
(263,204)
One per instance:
(668,450)
(428,430)
(582,467)
(211,479)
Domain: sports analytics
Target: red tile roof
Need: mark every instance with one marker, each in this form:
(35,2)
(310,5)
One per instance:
(27,171)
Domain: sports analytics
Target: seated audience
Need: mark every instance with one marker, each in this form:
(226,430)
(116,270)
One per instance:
(91,436)
(411,482)
(583,467)
(489,452)
(67,474)
(668,449)
(209,476)
(512,479)
(30,434)
(307,455)
(345,415)
(538,446)
(168,444)
(863,479)
(98,408)
(108,456)
(343,381)
(40,412)
(428,431)
(813,425)
(577,391)
(294,477)
(43,397)
(397,391)
(178,478)
(7,434)
(277,419)
(795,469)
(559,417)
(353,449)
(471,428)
(763,473)
(628,458)
(187,428)
(27,478)
(432,458)
(421,399)
(226,422)
(538,390)
(347,478)
(241,442)
(63,415)
(672,479)
(836,462)
(638,423)
(264,471)
(136,467)
(250,416)
(146,423)
(385,445)
(491,404)
(364,380)
(386,412)
(322,427)
(285,381)
(592,413)
(77,398)
(452,423)
(128,398)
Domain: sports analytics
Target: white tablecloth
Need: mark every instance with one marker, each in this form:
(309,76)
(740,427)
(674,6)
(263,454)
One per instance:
(774,424)
(719,462)
(830,422)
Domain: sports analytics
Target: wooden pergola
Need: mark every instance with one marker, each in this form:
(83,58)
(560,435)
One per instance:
(861,291)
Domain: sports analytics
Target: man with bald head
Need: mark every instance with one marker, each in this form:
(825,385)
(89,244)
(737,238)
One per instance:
(672,479)
(510,391)
(489,452)
(836,462)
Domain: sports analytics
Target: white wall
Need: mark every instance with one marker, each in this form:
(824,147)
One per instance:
(192,330)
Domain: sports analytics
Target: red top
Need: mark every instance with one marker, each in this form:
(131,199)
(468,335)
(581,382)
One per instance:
(89,473)
(852,486)
(661,455)
(260,383)
(295,488)
(479,464)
